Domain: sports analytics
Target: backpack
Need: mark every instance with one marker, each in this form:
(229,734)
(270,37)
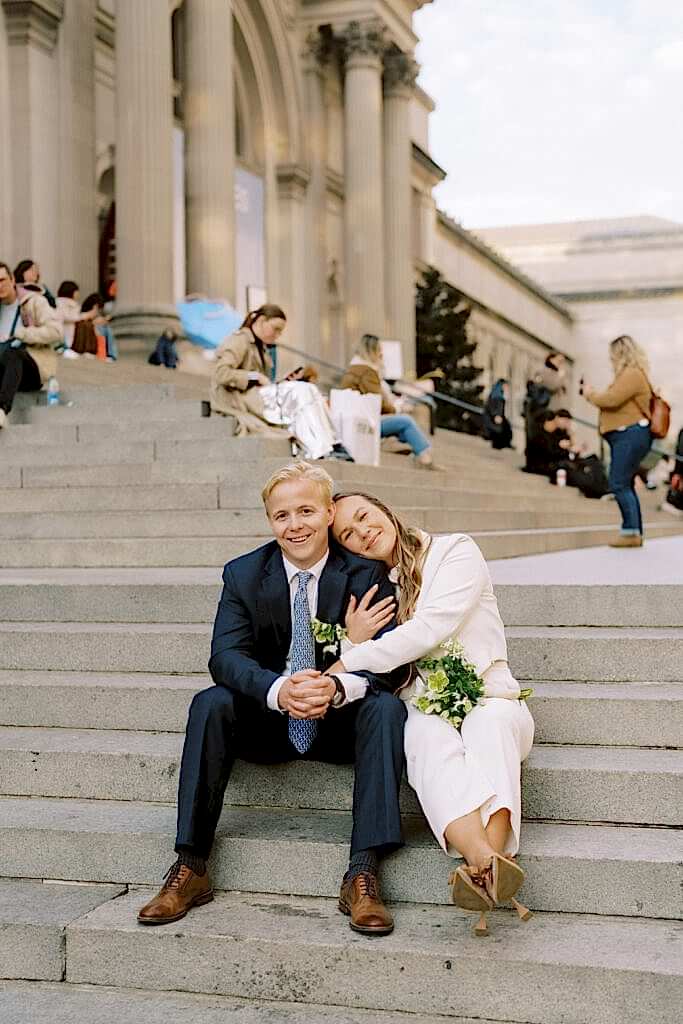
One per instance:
(588,474)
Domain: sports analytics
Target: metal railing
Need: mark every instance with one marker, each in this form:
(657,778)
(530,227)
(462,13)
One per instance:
(461,404)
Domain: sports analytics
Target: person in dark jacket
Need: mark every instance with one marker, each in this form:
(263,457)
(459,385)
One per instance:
(497,427)
(274,702)
(674,498)
(550,445)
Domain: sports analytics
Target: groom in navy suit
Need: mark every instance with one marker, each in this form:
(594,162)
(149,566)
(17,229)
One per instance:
(274,702)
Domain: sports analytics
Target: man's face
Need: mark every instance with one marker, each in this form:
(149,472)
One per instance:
(299,517)
(563,423)
(8,292)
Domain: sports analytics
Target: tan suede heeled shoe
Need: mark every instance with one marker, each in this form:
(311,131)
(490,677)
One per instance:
(485,888)
(468,893)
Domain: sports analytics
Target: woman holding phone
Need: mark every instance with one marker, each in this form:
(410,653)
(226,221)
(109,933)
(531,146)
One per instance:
(242,387)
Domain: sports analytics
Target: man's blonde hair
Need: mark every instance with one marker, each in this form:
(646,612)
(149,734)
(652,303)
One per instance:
(301,471)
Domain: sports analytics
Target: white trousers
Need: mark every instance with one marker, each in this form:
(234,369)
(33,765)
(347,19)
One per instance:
(300,406)
(455,773)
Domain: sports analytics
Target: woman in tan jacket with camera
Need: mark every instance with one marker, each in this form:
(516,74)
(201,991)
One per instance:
(624,423)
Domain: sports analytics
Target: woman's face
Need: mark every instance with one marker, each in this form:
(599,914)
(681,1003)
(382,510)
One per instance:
(362,528)
(269,330)
(32,275)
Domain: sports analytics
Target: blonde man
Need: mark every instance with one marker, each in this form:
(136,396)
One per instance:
(273,701)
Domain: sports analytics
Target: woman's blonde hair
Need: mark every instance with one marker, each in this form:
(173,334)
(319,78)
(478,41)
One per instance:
(300,471)
(369,349)
(409,554)
(624,351)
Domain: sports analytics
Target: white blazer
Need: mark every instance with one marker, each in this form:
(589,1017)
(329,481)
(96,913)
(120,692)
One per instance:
(456,600)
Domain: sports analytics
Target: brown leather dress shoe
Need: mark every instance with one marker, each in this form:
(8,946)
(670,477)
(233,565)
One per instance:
(182,890)
(360,900)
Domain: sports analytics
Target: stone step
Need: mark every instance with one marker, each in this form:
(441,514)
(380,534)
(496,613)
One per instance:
(559,970)
(570,868)
(618,604)
(247,475)
(631,714)
(46,1002)
(120,595)
(33,917)
(568,783)
(603,714)
(250,522)
(190,594)
(137,498)
(225,452)
(152,552)
(110,409)
(126,394)
(126,432)
(118,552)
(574,654)
(596,654)
(159,497)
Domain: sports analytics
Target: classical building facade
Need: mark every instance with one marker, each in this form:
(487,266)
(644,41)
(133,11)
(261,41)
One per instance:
(244,149)
(617,276)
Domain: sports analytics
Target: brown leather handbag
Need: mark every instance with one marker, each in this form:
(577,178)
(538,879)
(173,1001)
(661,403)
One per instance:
(659,415)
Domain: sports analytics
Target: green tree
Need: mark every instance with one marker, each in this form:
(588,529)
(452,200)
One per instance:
(442,345)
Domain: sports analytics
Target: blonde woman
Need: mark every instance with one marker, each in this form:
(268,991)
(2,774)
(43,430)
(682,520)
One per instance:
(467,781)
(625,425)
(365,374)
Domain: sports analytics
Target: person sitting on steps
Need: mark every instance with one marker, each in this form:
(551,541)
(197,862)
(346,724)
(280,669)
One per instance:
(242,387)
(29,330)
(468,779)
(273,700)
(365,374)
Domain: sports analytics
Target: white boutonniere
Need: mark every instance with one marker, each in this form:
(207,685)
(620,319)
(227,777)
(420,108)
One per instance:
(328,635)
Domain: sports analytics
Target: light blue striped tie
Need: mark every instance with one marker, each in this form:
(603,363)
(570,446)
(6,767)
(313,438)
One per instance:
(302,731)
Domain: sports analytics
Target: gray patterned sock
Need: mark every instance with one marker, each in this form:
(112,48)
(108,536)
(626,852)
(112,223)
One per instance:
(362,862)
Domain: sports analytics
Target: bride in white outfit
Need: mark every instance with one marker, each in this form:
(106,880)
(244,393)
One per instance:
(467,781)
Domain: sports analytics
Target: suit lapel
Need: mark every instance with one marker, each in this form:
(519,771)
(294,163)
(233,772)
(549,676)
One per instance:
(275,597)
(332,591)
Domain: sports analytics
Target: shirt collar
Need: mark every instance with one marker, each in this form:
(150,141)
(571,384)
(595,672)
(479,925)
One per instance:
(315,570)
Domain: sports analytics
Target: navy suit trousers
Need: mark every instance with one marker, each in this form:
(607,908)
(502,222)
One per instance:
(223,726)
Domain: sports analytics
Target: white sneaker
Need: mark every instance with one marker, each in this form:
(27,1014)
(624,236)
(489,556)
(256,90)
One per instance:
(69,353)
(3,418)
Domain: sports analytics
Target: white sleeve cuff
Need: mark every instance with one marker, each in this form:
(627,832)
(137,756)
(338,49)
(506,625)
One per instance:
(354,686)
(346,645)
(271,698)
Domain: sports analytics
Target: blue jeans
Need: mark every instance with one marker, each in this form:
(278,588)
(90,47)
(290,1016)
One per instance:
(406,430)
(628,449)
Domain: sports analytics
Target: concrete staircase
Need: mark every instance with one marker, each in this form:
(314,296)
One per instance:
(118,515)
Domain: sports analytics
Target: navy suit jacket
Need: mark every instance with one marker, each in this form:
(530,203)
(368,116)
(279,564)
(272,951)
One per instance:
(253,629)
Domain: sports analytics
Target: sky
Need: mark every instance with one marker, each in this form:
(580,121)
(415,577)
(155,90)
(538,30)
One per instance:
(555,110)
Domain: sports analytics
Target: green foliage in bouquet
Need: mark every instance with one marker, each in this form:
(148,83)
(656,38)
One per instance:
(452,686)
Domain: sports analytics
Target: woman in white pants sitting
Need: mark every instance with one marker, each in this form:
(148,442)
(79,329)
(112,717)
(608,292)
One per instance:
(467,780)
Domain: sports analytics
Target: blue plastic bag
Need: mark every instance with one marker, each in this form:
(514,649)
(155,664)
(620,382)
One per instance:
(208,323)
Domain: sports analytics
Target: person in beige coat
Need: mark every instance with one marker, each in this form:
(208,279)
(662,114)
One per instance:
(29,330)
(624,423)
(241,387)
(467,780)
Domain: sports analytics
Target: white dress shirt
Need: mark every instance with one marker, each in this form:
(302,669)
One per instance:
(355,686)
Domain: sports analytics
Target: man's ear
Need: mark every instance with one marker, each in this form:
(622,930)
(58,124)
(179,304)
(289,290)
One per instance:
(331,514)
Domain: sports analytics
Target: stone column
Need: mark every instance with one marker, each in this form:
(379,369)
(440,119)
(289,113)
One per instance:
(144,170)
(209,108)
(400,72)
(364,45)
(77,185)
(31,135)
(316,328)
